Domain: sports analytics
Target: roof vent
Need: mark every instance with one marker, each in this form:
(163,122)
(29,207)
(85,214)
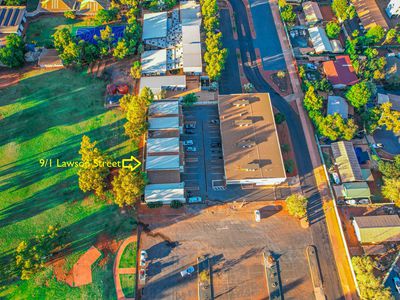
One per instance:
(251,167)
(246,144)
(242,102)
(242,123)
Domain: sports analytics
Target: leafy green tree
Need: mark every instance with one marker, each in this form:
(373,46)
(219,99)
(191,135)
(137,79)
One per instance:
(289,166)
(390,36)
(14,2)
(285,148)
(93,170)
(332,30)
(31,255)
(146,97)
(297,205)
(90,52)
(335,127)
(371,287)
(70,54)
(370,118)
(189,99)
(287,13)
(70,15)
(136,69)
(359,94)
(128,187)
(121,50)
(211,23)
(12,54)
(61,38)
(390,118)
(312,102)
(341,9)
(391,190)
(106,16)
(279,118)
(390,169)
(375,34)
(215,55)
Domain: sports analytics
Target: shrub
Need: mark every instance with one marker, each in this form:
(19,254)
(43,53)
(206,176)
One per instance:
(176,204)
(279,118)
(69,15)
(289,166)
(154,204)
(332,30)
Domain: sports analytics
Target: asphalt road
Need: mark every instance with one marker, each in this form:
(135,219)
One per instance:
(316,215)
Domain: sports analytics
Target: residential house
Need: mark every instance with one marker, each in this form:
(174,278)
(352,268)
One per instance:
(369,13)
(319,40)
(12,20)
(346,161)
(377,229)
(393,8)
(312,12)
(337,104)
(340,72)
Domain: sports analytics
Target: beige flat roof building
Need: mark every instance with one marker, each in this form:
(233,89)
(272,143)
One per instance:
(250,143)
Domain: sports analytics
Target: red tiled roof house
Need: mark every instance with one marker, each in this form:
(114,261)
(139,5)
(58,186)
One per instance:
(340,72)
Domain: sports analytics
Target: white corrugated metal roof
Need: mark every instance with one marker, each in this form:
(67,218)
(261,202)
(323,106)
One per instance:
(155,25)
(164,108)
(164,123)
(190,13)
(191,34)
(165,192)
(319,39)
(154,61)
(192,61)
(156,83)
(163,162)
(159,145)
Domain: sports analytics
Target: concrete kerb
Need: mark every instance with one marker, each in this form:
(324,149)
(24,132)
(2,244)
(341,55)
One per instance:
(338,217)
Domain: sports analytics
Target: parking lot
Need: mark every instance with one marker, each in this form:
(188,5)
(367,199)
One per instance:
(234,242)
(204,165)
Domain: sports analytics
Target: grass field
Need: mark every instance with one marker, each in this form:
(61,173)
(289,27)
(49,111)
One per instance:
(128,284)
(41,29)
(128,258)
(44,117)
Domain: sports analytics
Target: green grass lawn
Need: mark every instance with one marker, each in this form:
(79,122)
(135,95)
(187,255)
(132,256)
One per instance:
(128,258)
(128,284)
(44,117)
(41,30)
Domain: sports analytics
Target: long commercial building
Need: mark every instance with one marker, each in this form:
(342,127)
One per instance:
(250,143)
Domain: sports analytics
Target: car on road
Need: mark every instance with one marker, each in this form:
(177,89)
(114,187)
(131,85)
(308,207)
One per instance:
(188,143)
(191,149)
(351,202)
(143,254)
(189,271)
(396,281)
(257,215)
(190,125)
(215,145)
(363,201)
(142,275)
(196,199)
(189,131)
(377,146)
(215,121)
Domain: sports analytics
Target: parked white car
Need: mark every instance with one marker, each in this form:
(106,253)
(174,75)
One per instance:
(363,201)
(188,143)
(257,215)
(189,271)
(351,202)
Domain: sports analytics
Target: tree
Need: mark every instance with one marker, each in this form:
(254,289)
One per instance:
(359,94)
(332,30)
(31,255)
(281,74)
(93,169)
(285,148)
(335,127)
(128,186)
(341,9)
(12,54)
(390,169)
(189,99)
(70,54)
(289,166)
(312,102)
(389,118)
(136,69)
(390,36)
(146,96)
(121,50)
(391,190)
(215,55)
(61,38)
(375,34)
(371,287)
(279,118)
(288,15)
(297,205)
(248,87)
(70,15)
(106,16)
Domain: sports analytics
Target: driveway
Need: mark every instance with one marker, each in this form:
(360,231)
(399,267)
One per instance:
(389,140)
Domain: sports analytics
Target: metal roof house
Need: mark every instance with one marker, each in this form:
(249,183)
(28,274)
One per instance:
(164,192)
(162,145)
(312,12)
(346,161)
(190,13)
(12,20)
(356,190)
(393,8)
(319,40)
(159,83)
(377,229)
(154,62)
(163,168)
(164,108)
(164,123)
(155,25)
(338,105)
(369,13)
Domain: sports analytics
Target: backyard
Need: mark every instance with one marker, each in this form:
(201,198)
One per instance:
(41,29)
(44,117)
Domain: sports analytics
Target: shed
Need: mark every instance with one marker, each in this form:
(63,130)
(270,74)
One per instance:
(356,190)
(319,40)
(377,229)
(164,192)
(312,12)
(337,104)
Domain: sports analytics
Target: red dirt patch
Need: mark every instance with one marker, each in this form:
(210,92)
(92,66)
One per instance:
(82,270)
